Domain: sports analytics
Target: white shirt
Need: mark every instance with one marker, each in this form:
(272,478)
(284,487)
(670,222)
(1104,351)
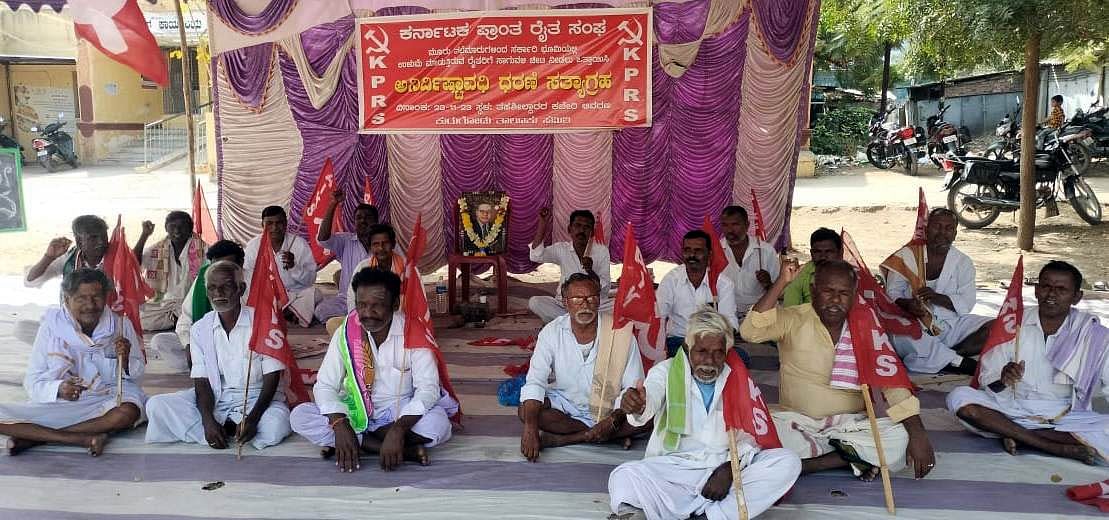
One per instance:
(404,378)
(678,299)
(955,281)
(303,273)
(1038,382)
(231,353)
(563,254)
(748,290)
(557,356)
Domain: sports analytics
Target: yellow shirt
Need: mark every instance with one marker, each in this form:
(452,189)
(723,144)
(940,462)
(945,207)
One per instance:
(807,353)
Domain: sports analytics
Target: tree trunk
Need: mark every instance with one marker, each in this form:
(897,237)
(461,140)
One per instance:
(1027,223)
(885,77)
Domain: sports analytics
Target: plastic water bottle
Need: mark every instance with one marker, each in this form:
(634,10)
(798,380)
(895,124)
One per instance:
(441,295)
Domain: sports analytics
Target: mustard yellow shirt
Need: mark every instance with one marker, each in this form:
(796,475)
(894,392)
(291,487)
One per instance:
(807,353)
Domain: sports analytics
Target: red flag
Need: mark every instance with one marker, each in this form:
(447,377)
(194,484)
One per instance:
(635,303)
(316,210)
(418,331)
(878,363)
(268,333)
(760,224)
(599,231)
(202,217)
(718,263)
(131,290)
(368,192)
(921,220)
(893,317)
(744,407)
(118,29)
(1009,318)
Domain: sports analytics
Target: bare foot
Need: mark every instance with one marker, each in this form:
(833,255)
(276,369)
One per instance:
(327,453)
(628,442)
(1081,453)
(417,454)
(97,444)
(1009,445)
(869,474)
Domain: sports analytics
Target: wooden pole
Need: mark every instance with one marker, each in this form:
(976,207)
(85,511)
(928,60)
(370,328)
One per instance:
(119,366)
(1027,222)
(246,397)
(187,90)
(887,486)
(737,476)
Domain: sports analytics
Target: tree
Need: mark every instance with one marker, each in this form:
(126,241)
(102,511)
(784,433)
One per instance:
(856,37)
(999,34)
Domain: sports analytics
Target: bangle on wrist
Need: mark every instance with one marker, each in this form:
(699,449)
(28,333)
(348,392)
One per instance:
(335,422)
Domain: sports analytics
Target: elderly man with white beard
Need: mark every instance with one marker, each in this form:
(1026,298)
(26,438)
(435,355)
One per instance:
(590,363)
(687,470)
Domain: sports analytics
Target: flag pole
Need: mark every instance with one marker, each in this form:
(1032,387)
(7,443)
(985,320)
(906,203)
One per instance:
(887,486)
(187,91)
(246,396)
(119,366)
(737,476)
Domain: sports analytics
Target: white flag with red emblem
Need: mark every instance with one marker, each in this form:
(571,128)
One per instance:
(118,29)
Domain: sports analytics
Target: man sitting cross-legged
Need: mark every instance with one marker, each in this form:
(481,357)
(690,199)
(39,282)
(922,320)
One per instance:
(591,363)
(349,250)
(295,264)
(212,412)
(686,470)
(1044,397)
(374,394)
(685,289)
(580,255)
(170,267)
(71,378)
(823,424)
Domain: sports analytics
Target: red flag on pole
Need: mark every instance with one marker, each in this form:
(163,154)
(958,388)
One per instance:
(892,316)
(921,220)
(635,303)
(316,209)
(418,331)
(202,217)
(268,334)
(368,192)
(744,407)
(718,263)
(131,290)
(1009,318)
(879,366)
(760,224)
(599,231)
(118,29)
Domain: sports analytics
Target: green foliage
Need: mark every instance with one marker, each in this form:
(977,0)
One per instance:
(841,131)
(852,36)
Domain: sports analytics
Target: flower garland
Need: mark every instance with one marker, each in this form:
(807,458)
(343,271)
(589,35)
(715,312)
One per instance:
(482,242)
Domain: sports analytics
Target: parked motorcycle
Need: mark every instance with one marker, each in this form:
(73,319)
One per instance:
(1095,142)
(892,144)
(53,144)
(944,138)
(8,142)
(979,189)
(1007,146)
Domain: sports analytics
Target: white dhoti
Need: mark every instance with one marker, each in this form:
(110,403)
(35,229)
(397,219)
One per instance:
(175,418)
(63,414)
(930,354)
(435,425)
(303,305)
(167,346)
(810,438)
(160,315)
(560,402)
(549,307)
(1091,428)
(331,307)
(669,486)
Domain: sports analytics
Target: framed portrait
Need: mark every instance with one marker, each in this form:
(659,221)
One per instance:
(483,223)
(13,215)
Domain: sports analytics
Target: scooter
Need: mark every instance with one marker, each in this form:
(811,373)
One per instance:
(8,142)
(54,143)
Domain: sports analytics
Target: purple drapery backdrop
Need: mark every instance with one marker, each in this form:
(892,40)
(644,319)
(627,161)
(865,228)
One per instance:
(244,67)
(526,172)
(680,23)
(781,25)
(688,155)
(468,165)
(332,130)
(229,12)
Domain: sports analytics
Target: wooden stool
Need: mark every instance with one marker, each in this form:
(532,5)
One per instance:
(500,271)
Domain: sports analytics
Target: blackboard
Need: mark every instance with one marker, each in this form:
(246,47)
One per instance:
(13,216)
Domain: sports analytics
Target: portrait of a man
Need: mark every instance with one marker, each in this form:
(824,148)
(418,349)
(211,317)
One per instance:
(483,220)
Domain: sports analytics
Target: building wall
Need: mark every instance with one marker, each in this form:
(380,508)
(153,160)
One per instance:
(114,104)
(45,34)
(31,87)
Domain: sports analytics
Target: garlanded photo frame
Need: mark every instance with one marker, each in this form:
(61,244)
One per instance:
(483,223)
(13,215)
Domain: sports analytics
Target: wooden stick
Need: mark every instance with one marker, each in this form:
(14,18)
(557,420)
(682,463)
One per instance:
(1016,358)
(246,397)
(887,487)
(737,476)
(119,366)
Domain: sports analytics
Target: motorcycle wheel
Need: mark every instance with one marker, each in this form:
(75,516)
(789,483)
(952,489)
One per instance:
(47,163)
(876,154)
(74,163)
(970,216)
(908,161)
(1085,202)
(1080,156)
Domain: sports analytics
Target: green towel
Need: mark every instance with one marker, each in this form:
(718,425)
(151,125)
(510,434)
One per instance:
(200,303)
(673,421)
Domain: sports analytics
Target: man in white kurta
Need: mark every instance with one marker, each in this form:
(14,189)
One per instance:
(752,263)
(1034,400)
(295,263)
(685,289)
(71,378)
(170,267)
(399,407)
(943,296)
(213,410)
(579,255)
(694,478)
(577,371)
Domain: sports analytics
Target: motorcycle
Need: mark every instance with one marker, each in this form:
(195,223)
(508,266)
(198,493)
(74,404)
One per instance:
(54,143)
(944,138)
(1095,142)
(979,189)
(892,144)
(1007,146)
(8,142)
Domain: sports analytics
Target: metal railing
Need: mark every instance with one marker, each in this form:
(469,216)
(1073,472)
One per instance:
(165,140)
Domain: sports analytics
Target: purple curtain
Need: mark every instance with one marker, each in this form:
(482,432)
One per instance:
(271,17)
(525,171)
(780,23)
(784,238)
(248,70)
(469,162)
(680,22)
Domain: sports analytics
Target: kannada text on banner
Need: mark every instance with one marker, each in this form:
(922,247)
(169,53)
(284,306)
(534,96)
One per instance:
(525,71)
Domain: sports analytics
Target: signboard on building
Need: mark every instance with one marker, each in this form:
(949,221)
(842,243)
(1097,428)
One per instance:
(505,71)
(164,27)
(13,217)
